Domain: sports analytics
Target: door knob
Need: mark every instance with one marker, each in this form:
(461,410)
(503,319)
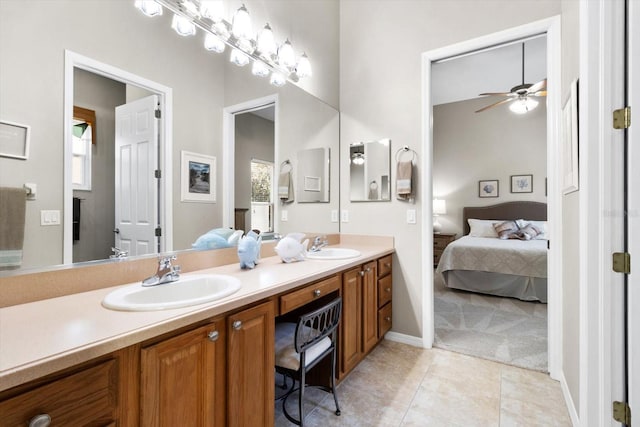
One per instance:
(116,230)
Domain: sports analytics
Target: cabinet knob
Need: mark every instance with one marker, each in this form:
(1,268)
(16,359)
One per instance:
(362,273)
(368,269)
(387,264)
(388,319)
(237,325)
(213,335)
(388,289)
(316,293)
(42,420)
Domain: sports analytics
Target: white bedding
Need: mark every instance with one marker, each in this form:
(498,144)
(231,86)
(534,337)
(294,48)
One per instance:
(512,256)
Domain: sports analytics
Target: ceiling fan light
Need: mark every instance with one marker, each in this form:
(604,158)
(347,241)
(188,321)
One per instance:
(523,105)
(149,7)
(212,9)
(183,26)
(241,26)
(213,43)
(358,159)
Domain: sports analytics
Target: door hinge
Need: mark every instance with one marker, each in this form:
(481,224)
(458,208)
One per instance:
(158,114)
(622,413)
(622,262)
(622,118)
(158,231)
(158,173)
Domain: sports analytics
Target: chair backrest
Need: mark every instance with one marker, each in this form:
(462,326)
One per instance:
(314,326)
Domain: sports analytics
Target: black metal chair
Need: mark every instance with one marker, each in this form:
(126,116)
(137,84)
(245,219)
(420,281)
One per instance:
(301,346)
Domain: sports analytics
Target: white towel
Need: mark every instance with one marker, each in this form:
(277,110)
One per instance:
(285,187)
(404,180)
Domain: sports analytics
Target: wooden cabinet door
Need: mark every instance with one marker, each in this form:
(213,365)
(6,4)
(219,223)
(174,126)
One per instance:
(251,359)
(369,306)
(350,324)
(182,379)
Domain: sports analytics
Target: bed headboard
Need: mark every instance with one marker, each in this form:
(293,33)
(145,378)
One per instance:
(535,211)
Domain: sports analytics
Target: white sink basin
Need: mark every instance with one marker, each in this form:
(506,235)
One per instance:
(334,253)
(188,290)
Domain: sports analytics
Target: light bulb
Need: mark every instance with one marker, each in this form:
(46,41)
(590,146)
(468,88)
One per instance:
(358,159)
(303,69)
(183,26)
(277,79)
(239,58)
(149,7)
(241,26)
(523,105)
(286,56)
(260,69)
(265,43)
(213,43)
(212,9)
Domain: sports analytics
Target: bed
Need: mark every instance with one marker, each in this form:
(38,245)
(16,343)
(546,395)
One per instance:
(481,262)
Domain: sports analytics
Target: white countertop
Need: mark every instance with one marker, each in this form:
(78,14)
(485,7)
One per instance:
(43,337)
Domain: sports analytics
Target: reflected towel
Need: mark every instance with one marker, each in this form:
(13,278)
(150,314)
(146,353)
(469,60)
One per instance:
(404,185)
(285,187)
(13,203)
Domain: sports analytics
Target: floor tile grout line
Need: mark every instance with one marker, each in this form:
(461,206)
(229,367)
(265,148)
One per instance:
(415,393)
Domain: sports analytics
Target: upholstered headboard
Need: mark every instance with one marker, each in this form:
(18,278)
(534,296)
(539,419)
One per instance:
(535,211)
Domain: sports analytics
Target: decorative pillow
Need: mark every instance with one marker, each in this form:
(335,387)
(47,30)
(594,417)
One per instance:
(482,228)
(540,225)
(210,241)
(529,232)
(505,229)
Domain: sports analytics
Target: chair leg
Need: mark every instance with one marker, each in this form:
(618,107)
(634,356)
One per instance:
(333,381)
(301,397)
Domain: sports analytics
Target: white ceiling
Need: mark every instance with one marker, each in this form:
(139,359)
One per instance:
(496,70)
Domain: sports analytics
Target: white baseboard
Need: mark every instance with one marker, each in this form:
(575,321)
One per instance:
(569,401)
(404,339)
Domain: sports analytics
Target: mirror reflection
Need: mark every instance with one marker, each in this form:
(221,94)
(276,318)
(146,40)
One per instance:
(192,116)
(369,171)
(313,175)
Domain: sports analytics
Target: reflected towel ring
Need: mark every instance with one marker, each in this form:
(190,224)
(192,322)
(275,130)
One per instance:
(404,150)
(284,164)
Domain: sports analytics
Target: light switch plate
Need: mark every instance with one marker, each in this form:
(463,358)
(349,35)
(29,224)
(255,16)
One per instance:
(344,216)
(50,217)
(334,215)
(411,216)
(284,215)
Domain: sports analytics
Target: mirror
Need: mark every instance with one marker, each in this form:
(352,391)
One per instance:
(313,175)
(104,31)
(370,171)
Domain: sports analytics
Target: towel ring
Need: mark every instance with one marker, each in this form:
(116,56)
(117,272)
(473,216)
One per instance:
(404,150)
(284,164)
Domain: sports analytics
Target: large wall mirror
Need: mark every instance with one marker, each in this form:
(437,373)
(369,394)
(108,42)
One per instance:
(116,34)
(370,171)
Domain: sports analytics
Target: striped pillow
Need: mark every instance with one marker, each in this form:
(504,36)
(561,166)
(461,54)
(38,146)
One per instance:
(505,229)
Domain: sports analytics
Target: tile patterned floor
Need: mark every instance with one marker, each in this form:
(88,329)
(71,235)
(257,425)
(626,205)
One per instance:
(400,385)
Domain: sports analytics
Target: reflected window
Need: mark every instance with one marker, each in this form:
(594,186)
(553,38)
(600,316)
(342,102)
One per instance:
(262,195)
(83,129)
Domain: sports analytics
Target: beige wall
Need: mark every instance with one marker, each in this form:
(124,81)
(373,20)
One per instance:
(381,86)
(570,215)
(492,145)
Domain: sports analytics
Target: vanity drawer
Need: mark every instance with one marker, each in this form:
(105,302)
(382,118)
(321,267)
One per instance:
(298,298)
(385,290)
(88,397)
(384,320)
(384,266)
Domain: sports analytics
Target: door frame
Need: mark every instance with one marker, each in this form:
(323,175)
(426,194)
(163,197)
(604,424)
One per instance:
(228,153)
(165,95)
(550,26)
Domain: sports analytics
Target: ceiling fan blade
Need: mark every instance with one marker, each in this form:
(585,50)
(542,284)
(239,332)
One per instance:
(541,85)
(504,101)
(496,94)
(539,93)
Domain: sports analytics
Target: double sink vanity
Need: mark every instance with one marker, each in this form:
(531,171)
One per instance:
(74,361)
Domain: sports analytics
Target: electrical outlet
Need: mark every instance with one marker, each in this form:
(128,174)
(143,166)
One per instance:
(284,215)
(411,216)
(344,216)
(334,215)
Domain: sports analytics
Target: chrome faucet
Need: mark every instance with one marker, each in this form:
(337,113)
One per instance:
(118,253)
(166,273)
(319,242)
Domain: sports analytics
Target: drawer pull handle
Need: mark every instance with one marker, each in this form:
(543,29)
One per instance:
(388,319)
(42,420)
(237,325)
(316,293)
(388,289)
(213,336)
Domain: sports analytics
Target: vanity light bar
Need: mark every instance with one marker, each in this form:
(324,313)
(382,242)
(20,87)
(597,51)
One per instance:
(222,30)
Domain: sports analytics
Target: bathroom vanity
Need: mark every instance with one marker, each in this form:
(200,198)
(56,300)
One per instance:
(210,364)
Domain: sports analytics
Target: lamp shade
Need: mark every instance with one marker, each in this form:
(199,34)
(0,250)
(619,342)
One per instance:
(523,105)
(439,207)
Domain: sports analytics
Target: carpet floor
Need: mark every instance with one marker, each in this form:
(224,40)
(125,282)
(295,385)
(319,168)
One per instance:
(505,330)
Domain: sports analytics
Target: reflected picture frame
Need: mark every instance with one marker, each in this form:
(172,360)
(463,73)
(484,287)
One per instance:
(14,140)
(488,188)
(197,177)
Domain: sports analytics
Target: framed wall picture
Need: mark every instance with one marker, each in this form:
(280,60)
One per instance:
(570,141)
(522,183)
(14,140)
(488,188)
(198,177)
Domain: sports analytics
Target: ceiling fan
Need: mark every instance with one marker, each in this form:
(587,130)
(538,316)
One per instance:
(521,96)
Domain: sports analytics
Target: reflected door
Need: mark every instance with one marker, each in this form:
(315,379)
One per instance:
(136,187)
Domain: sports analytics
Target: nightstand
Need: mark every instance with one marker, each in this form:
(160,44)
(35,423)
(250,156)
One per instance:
(440,241)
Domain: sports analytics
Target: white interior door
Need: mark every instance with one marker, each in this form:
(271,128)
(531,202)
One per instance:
(136,192)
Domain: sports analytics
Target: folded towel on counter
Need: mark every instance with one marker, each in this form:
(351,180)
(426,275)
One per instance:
(13,204)
(285,187)
(404,178)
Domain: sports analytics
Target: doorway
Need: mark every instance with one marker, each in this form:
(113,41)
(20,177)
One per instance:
(550,27)
(161,216)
